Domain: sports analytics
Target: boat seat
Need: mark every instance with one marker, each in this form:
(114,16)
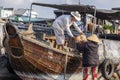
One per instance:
(69,43)
(29,33)
(52,41)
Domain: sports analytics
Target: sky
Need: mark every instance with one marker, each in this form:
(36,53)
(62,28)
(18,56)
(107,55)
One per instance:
(100,4)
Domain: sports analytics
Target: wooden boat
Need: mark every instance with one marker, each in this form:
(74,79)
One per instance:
(31,58)
(29,55)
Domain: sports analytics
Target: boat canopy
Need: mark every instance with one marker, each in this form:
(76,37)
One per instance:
(100,13)
(67,7)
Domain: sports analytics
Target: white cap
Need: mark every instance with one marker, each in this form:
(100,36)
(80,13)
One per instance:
(77,15)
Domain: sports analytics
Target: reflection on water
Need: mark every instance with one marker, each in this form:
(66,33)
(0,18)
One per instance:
(9,77)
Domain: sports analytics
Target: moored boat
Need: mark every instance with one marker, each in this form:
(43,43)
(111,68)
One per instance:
(31,57)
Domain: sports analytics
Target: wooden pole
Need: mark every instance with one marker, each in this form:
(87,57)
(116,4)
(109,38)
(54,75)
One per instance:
(30,13)
(79,2)
(93,29)
(65,68)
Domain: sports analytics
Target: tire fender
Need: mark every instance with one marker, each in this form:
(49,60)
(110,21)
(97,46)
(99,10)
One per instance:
(107,68)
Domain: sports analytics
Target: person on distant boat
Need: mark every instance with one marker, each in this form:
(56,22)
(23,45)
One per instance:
(63,23)
(89,48)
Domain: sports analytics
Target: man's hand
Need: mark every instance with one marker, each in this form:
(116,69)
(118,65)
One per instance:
(73,38)
(82,33)
(77,39)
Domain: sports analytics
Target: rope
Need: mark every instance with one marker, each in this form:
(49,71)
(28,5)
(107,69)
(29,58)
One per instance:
(104,48)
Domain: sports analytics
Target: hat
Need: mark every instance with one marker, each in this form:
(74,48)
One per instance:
(76,15)
(93,38)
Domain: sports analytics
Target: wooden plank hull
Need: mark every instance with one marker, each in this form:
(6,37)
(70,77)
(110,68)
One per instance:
(28,55)
(48,60)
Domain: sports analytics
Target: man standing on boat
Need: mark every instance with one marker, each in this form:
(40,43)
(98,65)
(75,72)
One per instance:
(63,23)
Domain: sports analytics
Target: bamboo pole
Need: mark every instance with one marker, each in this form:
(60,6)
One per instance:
(94,25)
(65,68)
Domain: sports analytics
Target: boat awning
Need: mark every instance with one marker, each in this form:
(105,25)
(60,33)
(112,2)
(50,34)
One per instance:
(100,13)
(108,14)
(67,7)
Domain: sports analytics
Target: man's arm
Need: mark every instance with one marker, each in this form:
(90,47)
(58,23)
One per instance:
(69,32)
(77,28)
